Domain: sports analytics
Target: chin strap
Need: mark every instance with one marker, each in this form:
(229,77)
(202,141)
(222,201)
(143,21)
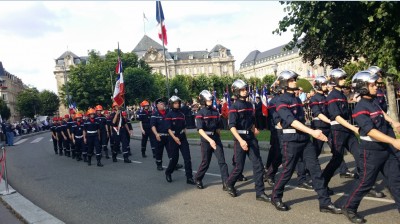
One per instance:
(292,89)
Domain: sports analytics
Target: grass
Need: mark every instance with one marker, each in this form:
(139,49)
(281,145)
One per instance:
(227,135)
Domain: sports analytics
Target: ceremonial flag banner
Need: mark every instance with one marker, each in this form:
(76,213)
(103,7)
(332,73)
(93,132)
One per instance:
(214,103)
(162,31)
(228,98)
(119,85)
(264,100)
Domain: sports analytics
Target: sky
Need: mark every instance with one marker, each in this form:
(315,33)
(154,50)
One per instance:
(33,34)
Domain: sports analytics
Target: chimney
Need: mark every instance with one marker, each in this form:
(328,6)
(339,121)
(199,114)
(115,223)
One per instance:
(178,50)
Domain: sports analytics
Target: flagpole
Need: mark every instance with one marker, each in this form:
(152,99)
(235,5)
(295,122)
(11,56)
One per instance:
(165,60)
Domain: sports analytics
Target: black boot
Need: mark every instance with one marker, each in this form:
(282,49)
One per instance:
(114,157)
(144,154)
(99,161)
(89,162)
(85,158)
(73,154)
(159,166)
(78,157)
(61,153)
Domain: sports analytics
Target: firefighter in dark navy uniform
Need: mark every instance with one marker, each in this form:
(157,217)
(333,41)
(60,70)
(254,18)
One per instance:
(54,134)
(208,123)
(380,97)
(242,125)
(77,136)
(375,141)
(104,133)
(91,137)
(145,127)
(110,138)
(128,132)
(274,159)
(176,126)
(160,130)
(71,122)
(65,136)
(342,132)
(59,136)
(295,143)
(119,129)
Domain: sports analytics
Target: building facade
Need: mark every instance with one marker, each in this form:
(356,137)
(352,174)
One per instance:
(273,61)
(10,87)
(218,61)
(61,71)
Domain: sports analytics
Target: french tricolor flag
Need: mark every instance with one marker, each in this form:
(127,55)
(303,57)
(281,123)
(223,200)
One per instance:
(119,89)
(264,100)
(162,31)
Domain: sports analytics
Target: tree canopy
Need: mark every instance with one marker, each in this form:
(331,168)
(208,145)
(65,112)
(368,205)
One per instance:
(28,103)
(337,32)
(4,110)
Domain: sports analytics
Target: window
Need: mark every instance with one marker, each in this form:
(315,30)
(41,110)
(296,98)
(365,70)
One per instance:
(202,70)
(190,56)
(210,70)
(176,57)
(225,68)
(4,96)
(195,71)
(187,71)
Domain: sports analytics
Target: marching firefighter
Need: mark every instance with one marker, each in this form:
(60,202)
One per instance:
(144,118)
(296,143)
(176,126)
(70,123)
(91,137)
(54,137)
(104,133)
(65,136)
(208,123)
(128,132)
(77,136)
(375,144)
(160,130)
(119,129)
(242,125)
(59,136)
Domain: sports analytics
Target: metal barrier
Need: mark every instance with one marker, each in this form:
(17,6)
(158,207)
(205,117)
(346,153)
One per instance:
(3,162)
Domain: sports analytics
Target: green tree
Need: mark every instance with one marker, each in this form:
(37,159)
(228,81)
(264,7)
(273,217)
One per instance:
(92,83)
(4,110)
(28,103)
(339,32)
(49,101)
(181,83)
(138,85)
(305,84)
(268,79)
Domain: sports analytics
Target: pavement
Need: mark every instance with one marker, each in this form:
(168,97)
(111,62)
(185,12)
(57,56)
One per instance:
(68,191)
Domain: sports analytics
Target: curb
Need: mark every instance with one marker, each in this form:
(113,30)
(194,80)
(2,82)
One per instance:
(29,212)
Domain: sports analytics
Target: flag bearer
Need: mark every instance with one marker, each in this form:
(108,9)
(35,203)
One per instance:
(120,137)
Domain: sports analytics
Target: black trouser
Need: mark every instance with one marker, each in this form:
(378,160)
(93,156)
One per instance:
(301,166)
(128,142)
(104,140)
(291,152)
(79,145)
(120,139)
(206,154)
(54,144)
(274,159)
(93,143)
(112,139)
(148,134)
(340,141)
(373,162)
(240,157)
(66,144)
(174,155)
(60,142)
(160,149)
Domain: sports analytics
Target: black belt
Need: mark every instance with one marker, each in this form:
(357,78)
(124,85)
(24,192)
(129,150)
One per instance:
(163,134)
(209,132)
(244,132)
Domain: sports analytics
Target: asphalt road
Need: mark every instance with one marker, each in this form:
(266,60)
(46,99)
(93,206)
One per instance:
(138,193)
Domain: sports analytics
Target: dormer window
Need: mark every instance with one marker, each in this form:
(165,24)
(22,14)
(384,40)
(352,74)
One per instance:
(176,57)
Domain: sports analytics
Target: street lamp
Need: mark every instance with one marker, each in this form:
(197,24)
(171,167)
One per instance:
(275,67)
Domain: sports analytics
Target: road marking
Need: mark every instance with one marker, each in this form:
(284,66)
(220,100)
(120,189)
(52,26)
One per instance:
(20,141)
(37,140)
(132,160)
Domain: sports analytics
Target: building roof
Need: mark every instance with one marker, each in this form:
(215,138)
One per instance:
(67,53)
(184,55)
(145,43)
(257,55)
(2,70)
